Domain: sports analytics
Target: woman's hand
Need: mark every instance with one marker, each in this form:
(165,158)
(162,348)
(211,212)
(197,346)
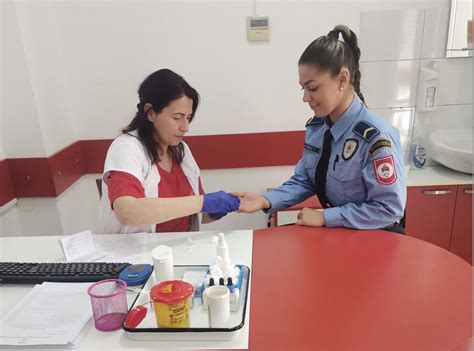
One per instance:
(250,203)
(220,203)
(310,218)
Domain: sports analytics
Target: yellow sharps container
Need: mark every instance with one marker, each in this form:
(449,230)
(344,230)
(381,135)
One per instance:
(171,303)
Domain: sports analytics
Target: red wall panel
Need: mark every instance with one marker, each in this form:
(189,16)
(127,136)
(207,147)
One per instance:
(94,152)
(32,177)
(246,150)
(7,190)
(67,166)
(38,177)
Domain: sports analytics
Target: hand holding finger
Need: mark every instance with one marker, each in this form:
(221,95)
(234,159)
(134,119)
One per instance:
(220,201)
(239,193)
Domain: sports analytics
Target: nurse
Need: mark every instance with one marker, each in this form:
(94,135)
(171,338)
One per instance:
(151,181)
(352,160)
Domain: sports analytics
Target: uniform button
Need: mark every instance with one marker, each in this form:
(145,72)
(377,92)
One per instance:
(342,176)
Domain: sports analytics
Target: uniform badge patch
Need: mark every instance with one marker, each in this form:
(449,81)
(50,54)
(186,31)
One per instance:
(349,149)
(385,170)
(366,130)
(379,145)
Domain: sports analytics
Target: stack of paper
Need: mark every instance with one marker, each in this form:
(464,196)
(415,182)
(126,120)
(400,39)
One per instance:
(51,314)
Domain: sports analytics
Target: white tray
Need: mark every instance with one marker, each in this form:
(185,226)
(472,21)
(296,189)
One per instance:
(199,322)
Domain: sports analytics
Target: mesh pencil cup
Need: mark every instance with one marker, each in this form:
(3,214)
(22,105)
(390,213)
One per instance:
(109,303)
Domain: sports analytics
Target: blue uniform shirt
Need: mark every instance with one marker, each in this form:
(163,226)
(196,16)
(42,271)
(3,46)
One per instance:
(365,184)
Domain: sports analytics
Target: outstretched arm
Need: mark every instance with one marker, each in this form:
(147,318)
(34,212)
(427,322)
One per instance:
(250,203)
(131,211)
(134,212)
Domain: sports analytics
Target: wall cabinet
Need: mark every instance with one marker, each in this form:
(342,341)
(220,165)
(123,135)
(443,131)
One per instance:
(461,236)
(441,215)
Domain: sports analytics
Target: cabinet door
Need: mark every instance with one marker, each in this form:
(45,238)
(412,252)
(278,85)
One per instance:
(429,213)
(461,238)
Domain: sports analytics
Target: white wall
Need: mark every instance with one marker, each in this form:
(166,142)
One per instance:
(86,59)
(21,132)
(48,73)
(72,69)
(417,38)
(2,152)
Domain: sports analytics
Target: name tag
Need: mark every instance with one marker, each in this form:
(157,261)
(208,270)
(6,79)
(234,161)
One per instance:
(311,148)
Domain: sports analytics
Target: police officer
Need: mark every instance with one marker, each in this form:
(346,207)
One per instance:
(352,159)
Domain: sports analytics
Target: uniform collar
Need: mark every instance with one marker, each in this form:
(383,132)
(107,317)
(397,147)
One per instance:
(347,119)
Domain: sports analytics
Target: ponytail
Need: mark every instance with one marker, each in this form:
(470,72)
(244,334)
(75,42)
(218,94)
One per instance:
(329,53)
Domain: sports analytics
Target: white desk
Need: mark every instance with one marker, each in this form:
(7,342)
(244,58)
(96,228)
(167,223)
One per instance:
(185,252)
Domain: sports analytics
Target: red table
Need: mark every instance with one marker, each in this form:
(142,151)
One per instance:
(342,289)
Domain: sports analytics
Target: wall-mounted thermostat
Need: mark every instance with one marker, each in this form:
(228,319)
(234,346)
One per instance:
(258,28)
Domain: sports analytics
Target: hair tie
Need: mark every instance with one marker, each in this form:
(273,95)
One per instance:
(334,34)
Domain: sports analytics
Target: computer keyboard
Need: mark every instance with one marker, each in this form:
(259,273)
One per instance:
(35,273)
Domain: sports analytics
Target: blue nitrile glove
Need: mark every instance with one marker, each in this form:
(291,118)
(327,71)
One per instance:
(220,202)
(217,216)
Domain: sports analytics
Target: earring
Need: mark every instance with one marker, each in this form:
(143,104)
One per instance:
(340,88)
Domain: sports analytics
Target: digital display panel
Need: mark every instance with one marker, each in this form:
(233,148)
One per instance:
(258,23)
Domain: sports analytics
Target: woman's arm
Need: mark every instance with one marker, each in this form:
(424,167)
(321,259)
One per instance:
(134,212)
(384,178)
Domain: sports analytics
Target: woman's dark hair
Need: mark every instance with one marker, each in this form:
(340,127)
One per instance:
(159,89)
(328,53)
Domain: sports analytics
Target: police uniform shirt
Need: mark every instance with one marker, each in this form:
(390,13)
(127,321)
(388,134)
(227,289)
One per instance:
(365,185)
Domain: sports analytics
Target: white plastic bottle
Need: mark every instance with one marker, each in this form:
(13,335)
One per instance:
(234,299)
(222,249)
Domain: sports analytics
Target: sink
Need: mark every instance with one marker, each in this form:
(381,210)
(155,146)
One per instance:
(453,148)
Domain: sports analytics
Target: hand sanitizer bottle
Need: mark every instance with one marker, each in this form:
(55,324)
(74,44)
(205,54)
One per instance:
(418,155)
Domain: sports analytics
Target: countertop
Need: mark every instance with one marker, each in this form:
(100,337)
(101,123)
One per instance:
(437,175)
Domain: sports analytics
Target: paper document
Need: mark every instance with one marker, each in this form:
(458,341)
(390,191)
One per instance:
(80,248)
(125,248)
(51,314)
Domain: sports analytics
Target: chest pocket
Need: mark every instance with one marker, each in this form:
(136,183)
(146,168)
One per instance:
(345,184)
(310,159)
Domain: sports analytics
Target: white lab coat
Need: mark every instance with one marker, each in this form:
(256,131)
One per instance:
(127,154)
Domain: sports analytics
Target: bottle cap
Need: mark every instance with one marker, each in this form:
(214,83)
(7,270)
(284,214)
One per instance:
(171,292)
(221,239)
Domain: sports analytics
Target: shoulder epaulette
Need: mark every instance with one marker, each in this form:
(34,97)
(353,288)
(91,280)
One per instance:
(314,120)
(366,130)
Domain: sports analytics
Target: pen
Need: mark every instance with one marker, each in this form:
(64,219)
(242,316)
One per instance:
(335,160)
